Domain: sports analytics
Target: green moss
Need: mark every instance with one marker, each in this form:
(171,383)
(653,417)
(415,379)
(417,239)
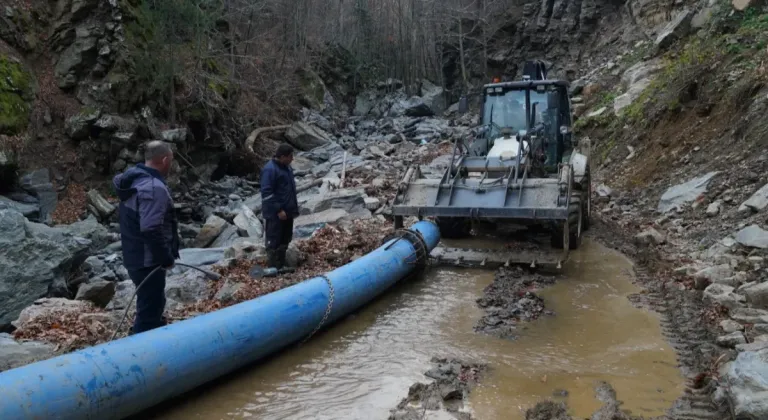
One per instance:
(16,94)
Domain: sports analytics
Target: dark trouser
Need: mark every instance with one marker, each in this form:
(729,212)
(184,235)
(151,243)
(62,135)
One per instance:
(150,299)
(277,234)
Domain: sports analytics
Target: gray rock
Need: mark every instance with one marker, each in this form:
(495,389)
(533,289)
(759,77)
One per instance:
(227,237)
(723,294)
(304,136)
(730,326)
(304,226)
(731,340)
(676,29)
(749,315)
(99,292)
(248,222)
(753,236)
(188,231)
(115,123)
(201,256)
(246,250)
(104,209)
(758,201)
(433,97)
(760,328)
(79,56)
(213,227)
(603,190)
(30,211)
(186,288)
(636,79)
(14,354)
(364,102)
(747,384)
(78,127)
(719,248)
(38,183)
(713,209)
(122,298)
(650,237)
(227,292)
(33,265)
(716,274)
(757,295)
(677,196)
(177,136)
(349,200)
(94,266)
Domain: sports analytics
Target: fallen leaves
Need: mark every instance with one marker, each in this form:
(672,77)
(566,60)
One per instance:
(71,205)
(329,248)
(68,329)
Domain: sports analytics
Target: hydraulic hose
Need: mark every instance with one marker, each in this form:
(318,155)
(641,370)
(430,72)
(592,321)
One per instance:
(210,275)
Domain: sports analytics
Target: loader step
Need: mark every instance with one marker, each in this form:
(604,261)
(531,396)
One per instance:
(494,258)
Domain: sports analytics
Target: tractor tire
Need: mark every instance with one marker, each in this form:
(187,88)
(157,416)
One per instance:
(568,233)
(453,227)
(586,212)
(575,221)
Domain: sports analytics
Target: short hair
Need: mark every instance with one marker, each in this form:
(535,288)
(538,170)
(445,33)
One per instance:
(156,149)
(284,150)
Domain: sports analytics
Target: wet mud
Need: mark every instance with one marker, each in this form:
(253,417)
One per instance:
(684,322)
(511,299)
(452,382)
(558,410)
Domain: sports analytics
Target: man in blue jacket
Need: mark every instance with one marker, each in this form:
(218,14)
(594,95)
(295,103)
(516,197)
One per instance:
(148,231)
(279,205)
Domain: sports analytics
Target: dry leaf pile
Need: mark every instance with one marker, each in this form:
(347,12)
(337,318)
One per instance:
(71,206)
(68,328)
(329,248)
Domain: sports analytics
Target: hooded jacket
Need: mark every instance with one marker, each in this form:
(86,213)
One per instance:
(278,190)
(148,226)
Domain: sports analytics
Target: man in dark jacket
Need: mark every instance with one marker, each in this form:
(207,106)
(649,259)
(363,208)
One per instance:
(149,231)
(279,204)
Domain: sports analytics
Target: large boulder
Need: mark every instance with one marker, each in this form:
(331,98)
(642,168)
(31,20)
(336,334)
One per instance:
(758,201)
(352,201)
(14,354)
(753,236)
(676,29)
(747,384)
(33,264)
(636,79)
(433,96)
(305,136)
(248,222)
(677,196)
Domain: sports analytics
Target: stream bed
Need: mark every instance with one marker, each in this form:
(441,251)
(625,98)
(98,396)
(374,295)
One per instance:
(363,366)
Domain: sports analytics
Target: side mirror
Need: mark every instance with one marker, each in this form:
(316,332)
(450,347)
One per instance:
(463,105)
(564,129)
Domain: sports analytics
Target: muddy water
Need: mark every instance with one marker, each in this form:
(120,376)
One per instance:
(363,366)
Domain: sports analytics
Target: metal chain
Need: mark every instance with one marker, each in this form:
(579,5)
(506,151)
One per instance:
(327,310)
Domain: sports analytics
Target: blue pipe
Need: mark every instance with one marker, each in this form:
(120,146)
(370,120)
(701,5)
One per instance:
(123,377)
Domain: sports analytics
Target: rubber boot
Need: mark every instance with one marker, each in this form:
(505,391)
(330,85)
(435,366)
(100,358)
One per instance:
(272,259)
(282,268)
